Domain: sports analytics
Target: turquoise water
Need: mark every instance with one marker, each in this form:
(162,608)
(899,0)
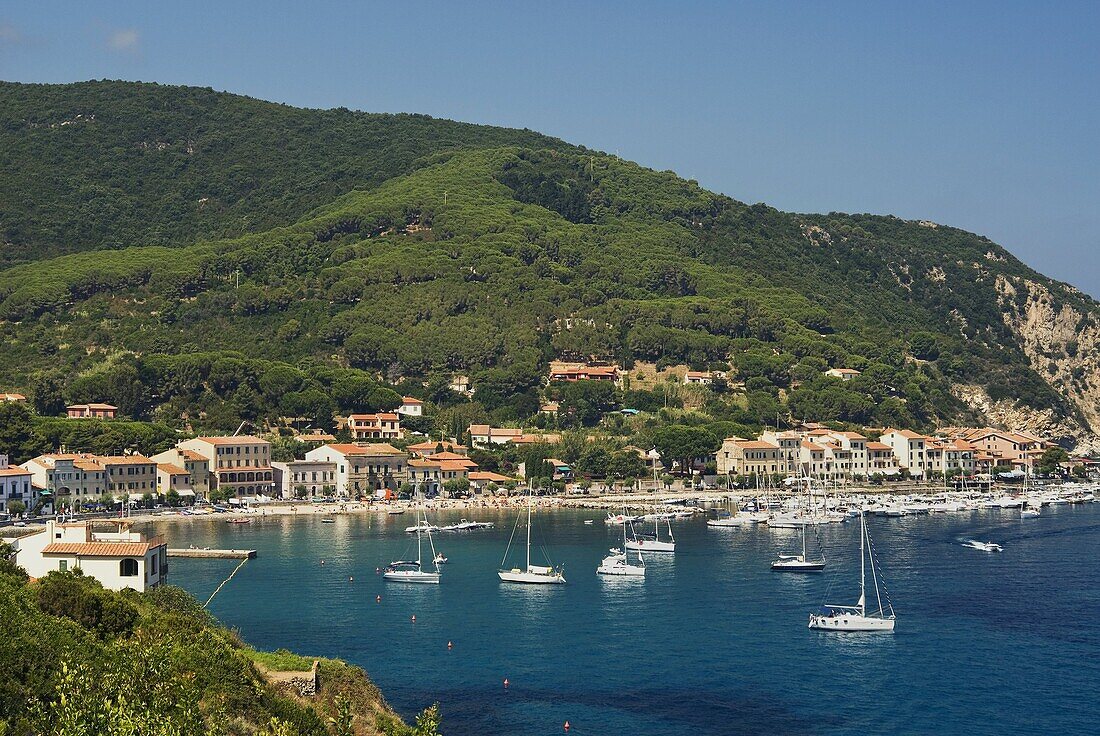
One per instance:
(711,642)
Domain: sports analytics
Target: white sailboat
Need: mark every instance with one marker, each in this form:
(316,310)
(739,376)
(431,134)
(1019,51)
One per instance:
(531,574)
(412,571)
(857,618)
(799,563)
(653,543)
(617,564)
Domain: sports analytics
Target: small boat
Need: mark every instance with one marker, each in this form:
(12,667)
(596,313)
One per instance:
(799,563)
(238,521)
(531,574)
(395,512)
(421,527)
(327,520)
(653,542)
(1029,512)
(616,563)
(857,618)
(616,519)
(439,559)
(589,521)
(412,571)
(984,546)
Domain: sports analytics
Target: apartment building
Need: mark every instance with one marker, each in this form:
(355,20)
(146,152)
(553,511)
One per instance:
(910,448)
(15,485)
(317,477)
(68,478)
(196,465)
(240,464)
(381,426)
(370,469)
(747,457)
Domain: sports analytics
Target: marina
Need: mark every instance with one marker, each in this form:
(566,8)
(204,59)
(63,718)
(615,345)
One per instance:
(735,632)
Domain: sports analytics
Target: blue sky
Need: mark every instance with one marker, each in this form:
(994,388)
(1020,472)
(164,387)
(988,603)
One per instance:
(980,115)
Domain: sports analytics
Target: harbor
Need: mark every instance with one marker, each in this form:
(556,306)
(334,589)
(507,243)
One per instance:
(734,630)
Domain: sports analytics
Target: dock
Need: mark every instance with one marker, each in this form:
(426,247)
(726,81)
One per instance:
(214,554)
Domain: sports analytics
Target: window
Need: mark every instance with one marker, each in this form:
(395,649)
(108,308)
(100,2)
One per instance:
(63,565)
(128,568)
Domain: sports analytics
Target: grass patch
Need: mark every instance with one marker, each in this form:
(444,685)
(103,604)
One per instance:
(280,660)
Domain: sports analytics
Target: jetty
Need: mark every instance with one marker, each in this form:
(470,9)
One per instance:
(213,554)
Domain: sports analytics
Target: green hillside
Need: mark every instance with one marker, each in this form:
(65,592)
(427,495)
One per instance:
(491,261)
(112,164)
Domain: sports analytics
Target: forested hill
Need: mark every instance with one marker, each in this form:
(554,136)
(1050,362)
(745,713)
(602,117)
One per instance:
(491,260)
(112,164)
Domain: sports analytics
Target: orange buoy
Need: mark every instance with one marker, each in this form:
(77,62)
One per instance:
(566,726)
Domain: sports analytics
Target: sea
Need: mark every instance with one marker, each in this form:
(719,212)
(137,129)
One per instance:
(710,642)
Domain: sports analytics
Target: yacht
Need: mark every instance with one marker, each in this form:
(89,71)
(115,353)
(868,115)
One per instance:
(617,564)
(653,542)
(531,574)
(857,617)
(799,563)
(412,571)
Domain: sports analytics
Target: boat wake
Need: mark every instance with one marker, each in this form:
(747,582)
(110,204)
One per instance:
(983,546)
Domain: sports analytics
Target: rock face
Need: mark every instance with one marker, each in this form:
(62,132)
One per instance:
(1062,344)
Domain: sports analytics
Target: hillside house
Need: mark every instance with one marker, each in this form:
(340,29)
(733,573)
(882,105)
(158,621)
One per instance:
(91,411)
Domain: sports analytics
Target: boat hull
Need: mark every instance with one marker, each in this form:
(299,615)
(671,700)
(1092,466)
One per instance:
(850,622)
(531,578)
(796,566)
(412,576)
(644,545)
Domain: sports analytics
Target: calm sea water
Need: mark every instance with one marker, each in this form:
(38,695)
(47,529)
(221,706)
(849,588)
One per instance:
(711,642)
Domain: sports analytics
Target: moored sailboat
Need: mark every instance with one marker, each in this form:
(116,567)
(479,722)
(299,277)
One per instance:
(858,618)
(531,574)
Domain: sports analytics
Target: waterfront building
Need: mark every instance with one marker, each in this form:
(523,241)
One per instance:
(15,485)
(117,559)
(429,475)
(174,478)
(311,477)
(195,463)
(881,459)
(789,444)
(94,411)
(480,480)
(910,448)
(130,476)
(68,478)
(370,469)
(240,464)
(950,456)
(740,456)
(856,446)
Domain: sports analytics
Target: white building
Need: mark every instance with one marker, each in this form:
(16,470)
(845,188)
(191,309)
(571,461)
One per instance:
(15,485)
(117,559)
(909,448)
(241,463)
(483,434)
(411,407)
(370,469)
(844,374)
(68,479)
(317,477)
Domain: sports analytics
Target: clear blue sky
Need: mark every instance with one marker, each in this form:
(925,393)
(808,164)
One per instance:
(980,115)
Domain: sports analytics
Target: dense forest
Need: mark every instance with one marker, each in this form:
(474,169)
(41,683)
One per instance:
(456,249)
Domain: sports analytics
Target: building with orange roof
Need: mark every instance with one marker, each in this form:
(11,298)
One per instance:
(429,475)
(411,407)
(485,435)
(68,479)
(481,479)
(368,469)
(380,426)
(739,456)
(94,411)
(430,447)
(117,559)
(240,464)
(844,374)
(13,397)
(561,370)
(15,485)
(910,448)
(196,465)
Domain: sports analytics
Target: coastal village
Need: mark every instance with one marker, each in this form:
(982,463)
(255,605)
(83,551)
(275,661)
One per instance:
(370,456)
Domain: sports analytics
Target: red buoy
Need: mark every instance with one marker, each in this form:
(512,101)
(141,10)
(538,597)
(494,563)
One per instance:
(414,618)
(450,645)
(506,683)
(350,579)
(322,562)
(566,726)
(377,599)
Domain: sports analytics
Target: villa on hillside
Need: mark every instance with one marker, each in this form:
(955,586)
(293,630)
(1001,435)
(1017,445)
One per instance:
(92,411)
(411,407)
(16,398)
(381,426)
(844,374)
(563,371)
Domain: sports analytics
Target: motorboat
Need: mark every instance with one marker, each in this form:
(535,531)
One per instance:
(439,559)
(984,546)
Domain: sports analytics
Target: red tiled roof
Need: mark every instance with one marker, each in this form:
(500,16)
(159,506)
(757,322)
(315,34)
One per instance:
(103,549)
(245,439)
(14,471)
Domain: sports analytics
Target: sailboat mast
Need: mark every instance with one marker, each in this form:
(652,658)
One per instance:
(529,502)
(862,563)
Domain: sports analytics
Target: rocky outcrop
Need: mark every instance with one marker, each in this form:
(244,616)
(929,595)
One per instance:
(1061,339)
